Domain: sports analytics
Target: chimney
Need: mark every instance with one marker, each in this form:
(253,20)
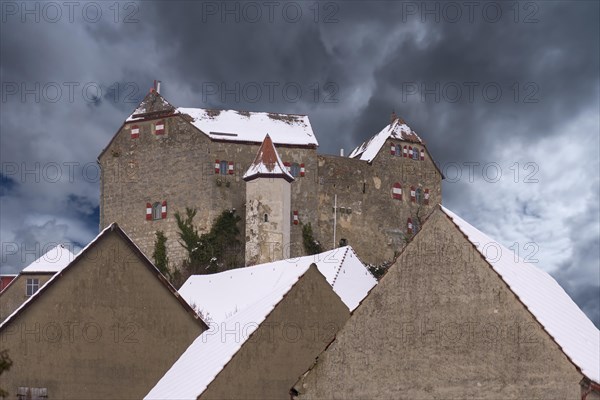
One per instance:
(341,152)
(393,117)
(158,87)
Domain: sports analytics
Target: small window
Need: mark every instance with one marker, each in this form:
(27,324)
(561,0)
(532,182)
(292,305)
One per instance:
(32,285)
(295,170)
(416,227)
(31,393)
(419,195)
(415,154)
(399,151)
(156,211)
(223,167)
(266,218)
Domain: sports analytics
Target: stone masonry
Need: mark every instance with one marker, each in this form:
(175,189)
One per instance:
(176,169)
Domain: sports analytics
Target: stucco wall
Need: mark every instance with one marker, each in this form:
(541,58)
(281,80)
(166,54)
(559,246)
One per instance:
(15,294)
(284,345)
(442,324)
(107,328)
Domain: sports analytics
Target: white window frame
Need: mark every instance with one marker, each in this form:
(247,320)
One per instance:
(32,285)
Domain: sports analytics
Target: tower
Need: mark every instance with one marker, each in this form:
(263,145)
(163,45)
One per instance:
(268,206)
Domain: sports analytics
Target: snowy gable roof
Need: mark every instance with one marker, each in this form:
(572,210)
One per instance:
(152,105)
(239,300)
(562,319)
(396,130)
(267,163)
(232,125)
(54,260)
(204,359)
(219,296)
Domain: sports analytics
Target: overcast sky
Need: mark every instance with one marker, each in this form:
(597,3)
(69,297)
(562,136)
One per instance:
(505,94)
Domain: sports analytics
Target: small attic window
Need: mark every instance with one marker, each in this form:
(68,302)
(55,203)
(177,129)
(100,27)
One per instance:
(266,218)
(31,286)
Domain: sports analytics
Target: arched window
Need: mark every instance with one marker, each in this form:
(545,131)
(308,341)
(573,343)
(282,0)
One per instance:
(416,154)
(419,195)
(156,211)
(223,167)
(295,170)
(266,218)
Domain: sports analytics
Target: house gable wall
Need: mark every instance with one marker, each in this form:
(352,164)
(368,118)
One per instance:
(106,328)
(441,324)
(284,345)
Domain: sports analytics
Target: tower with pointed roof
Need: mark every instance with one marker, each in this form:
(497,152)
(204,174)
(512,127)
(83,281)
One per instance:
(268,206)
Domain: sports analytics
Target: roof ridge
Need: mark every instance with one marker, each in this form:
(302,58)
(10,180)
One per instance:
(340,267)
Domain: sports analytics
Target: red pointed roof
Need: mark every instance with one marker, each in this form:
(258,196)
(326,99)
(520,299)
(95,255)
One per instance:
(267,163)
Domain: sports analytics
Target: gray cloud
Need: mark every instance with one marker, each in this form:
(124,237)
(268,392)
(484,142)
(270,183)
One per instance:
(365,58)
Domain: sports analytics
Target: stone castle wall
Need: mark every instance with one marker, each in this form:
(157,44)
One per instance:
(179,168)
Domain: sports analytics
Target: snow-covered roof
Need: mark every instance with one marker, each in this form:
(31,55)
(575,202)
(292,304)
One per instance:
(152,105)
(232,125)
(396,130)
(219,296)
(267,163)
(546,300)
(53,261)
(239,301)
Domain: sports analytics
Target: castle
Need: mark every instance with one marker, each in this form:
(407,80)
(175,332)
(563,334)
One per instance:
(164,159)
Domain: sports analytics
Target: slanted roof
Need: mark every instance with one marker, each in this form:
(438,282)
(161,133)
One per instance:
(239,301)
(152,106)
(547,301)
(53,261)
(243,126)
(267,163)
(212,350)
(219,296)
(398,129)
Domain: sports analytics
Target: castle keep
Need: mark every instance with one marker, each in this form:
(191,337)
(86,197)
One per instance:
(164,159)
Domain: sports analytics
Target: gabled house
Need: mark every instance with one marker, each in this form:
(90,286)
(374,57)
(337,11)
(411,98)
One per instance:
(107,325)
(267,324)
(32,277)
(459,316)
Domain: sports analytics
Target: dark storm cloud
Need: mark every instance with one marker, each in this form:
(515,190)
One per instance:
(552,55)
(375,56)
